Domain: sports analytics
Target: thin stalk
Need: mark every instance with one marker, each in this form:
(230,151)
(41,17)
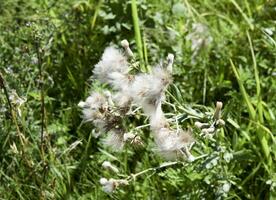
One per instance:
(257,79)
(42,102)
(204,86)
(93,22)
(243,14)
(137,33)
(252,114)
(250,107)
(145,50)
(261,134)
(164,165)
(12,112)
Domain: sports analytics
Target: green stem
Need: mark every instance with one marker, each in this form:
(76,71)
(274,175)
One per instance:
(137,32)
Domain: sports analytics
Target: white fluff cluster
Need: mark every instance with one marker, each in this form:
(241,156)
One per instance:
(114,140)
(110,185)
(147,90)
(95,109)
(173,143)
(112,61)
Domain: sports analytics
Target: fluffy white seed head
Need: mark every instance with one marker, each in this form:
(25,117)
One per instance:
(112,61)
(94,106)
(171,142)
(114,140)
(110,185)
(147,90)
(158,119)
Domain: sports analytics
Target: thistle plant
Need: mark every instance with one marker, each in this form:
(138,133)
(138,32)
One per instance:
(109,108)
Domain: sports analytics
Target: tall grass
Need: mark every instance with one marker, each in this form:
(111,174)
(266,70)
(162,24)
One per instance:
(137,32)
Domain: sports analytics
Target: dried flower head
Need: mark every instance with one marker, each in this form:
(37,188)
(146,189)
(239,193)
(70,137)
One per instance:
(133,138)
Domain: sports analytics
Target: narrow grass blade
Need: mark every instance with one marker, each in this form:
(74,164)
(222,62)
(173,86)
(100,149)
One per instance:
(137,32)
(245,96)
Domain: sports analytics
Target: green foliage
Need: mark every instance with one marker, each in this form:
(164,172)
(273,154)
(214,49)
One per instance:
(47,53)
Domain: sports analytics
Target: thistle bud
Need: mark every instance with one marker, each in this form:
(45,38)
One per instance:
(201,125)
(109,166)
(209,130)
(217,114)
(125,44)
(170,59)
(220,122)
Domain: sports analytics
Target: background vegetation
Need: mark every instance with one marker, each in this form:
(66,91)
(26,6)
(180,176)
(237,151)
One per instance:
(47,53)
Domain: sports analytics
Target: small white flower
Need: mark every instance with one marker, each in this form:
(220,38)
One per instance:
(109,166)
(220,122)
(129,136)
(112,61)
